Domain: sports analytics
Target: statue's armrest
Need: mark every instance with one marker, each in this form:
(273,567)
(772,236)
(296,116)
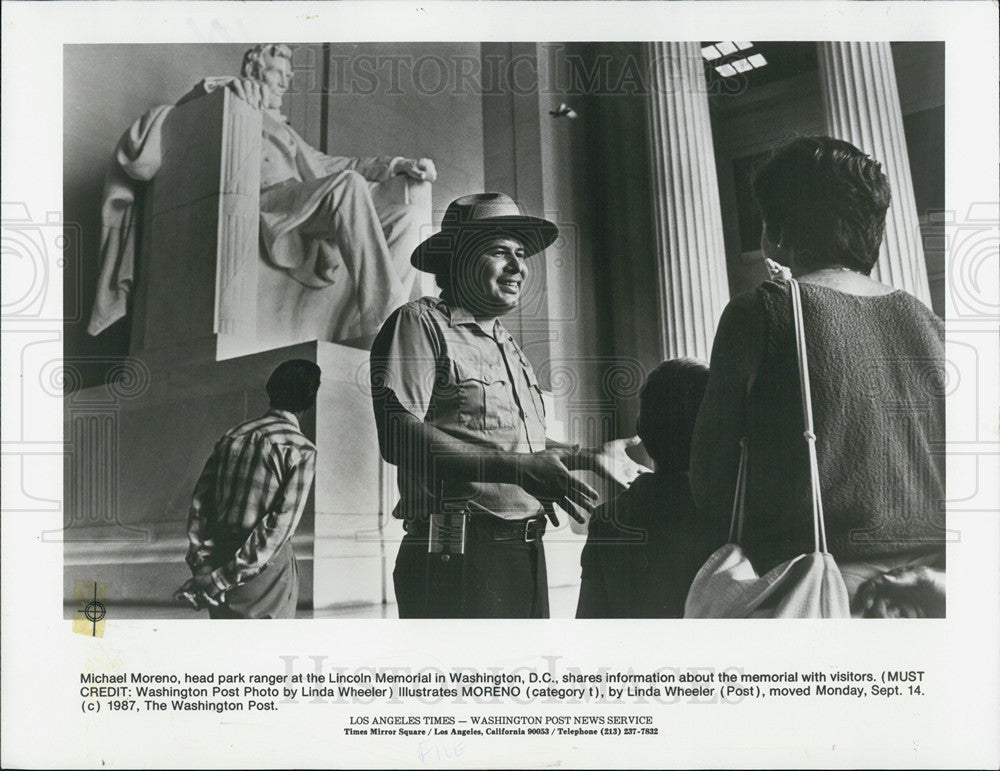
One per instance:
(205,87)
(402,190)
(201,226)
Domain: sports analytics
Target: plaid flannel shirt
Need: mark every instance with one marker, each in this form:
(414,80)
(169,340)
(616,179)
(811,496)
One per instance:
(251,495)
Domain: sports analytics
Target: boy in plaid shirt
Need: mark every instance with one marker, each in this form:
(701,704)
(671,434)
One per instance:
(247,504)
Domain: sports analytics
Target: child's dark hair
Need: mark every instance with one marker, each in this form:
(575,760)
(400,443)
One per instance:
(668,406)
(293,385)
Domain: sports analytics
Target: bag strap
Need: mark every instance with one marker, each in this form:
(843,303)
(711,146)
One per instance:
(739,499)
(819,526)
(736,523)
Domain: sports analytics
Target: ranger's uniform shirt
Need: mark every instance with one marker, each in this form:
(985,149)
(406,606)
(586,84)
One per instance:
(436,362)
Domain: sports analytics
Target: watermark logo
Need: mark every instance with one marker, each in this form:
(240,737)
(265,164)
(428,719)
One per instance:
(34,251)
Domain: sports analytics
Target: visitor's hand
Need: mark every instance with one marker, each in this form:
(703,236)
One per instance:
(419,168)
(571,509)
(776,270)
(545,476)
(610,462)
(251,91)
(905,592)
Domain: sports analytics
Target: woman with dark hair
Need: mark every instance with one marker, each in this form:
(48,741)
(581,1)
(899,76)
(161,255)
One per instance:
(876,356)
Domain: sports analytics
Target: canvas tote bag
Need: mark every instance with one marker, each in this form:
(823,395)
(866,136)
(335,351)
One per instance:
(808,586)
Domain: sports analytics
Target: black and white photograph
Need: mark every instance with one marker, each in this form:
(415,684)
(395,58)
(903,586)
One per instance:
(491,370)
(506,263)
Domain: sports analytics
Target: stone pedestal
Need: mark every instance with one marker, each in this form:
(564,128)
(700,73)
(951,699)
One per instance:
(862,107)
(143,444)
(693,287)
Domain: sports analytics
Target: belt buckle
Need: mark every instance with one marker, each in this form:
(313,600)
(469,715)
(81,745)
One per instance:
(529,535)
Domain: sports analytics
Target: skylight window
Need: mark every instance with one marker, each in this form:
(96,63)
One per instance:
(728,60)
(724,48)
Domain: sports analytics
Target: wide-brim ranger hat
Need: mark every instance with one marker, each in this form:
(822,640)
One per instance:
(482,214)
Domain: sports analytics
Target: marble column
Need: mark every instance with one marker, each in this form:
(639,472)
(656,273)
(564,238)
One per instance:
(687,216)
(861,101)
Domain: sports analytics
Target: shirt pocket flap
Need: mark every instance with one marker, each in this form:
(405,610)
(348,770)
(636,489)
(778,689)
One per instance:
(482,372)
(536,392)
(483,399)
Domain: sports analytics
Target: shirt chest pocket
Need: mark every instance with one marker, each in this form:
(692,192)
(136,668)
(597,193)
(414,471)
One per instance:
(484,396)
(536,393)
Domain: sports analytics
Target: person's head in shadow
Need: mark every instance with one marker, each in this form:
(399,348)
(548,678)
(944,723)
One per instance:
(668,406)
(293,386)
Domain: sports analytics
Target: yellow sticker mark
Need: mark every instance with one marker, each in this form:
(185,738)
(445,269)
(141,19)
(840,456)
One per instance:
(89,598)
